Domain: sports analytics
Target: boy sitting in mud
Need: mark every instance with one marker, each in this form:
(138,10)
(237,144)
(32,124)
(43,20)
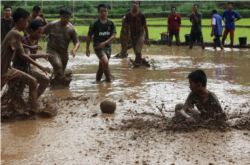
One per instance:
(104,32)
(36,30)
(206,101)
(12,45)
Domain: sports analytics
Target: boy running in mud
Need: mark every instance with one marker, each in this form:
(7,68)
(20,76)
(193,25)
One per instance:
(125,40)
(216,28)
(60,34)
(206,101)
(12,45)
(229,17)
(174,22)
(36,30)
(36,15)
(196,32)
(7,22)
(136,21)
(104,31)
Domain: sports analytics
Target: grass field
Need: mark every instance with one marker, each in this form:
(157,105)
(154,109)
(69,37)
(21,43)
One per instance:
(154,33)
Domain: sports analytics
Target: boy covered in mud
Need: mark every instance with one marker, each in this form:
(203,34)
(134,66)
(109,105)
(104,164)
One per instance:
(125,40)
(104,31)
(7,23)
(206,101)
(11,46)
(36,15)
(36,30)
(60,34)
(136,21)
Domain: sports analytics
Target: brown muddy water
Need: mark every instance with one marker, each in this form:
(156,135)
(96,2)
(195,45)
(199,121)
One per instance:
(134,134)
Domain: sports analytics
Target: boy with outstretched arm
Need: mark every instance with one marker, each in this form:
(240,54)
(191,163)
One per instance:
(206,101)
(36,30)
(12,45)
(104,31)
(60,34)
(136,21)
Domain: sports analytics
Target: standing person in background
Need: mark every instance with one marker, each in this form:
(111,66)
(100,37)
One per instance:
(174,22)
(125,39)
(136,21)
(230,17)
(36,15)
(216,28)
(7,22)
(104,32)
(196,32)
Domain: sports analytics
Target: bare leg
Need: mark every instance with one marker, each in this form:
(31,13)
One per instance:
(231,43)
(99,72)
(170,40)
(56,62)
(191,45)
(223,41)
(65,59)
(178,43)
(202,45)
(105,67)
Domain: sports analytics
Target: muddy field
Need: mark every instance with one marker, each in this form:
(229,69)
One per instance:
(138,133)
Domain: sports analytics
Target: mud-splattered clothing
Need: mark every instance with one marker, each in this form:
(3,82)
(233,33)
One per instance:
(102,31)
(136,23)
(32,19)
(21,64)
(60,36)
(6,26)
(124,38)
(209,108)
(10,45)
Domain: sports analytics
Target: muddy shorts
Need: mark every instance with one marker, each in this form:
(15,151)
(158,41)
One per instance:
(103,52)
(226,31)
(137,43)
(196,37)
(11,74)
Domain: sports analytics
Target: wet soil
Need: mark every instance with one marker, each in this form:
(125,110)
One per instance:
(139,132)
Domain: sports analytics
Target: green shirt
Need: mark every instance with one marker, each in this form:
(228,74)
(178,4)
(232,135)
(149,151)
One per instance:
(102,31)
(196,27)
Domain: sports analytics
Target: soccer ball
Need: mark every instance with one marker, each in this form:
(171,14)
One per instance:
(108,105)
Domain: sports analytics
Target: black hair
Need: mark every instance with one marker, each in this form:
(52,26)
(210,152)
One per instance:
(65,11)
(102,5)
(198,76)
(230,3)
(34,25)
(196,5)
(139,2)
(20,13)
(214,11)
(129,10)
(7,6)
(173,7)
(36,8)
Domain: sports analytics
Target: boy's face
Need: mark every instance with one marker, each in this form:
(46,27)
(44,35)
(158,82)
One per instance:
(195,8)
(103,13)
(7,12)
(173,10)
(229,6)
(135,5)
(35,14)
(36,34)
(23,23)
(194,87)
(65,18)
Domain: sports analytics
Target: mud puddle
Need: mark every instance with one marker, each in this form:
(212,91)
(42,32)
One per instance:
(137,133)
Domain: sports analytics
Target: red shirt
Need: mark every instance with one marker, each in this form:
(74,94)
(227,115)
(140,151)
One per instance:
(174,22)
(136,23)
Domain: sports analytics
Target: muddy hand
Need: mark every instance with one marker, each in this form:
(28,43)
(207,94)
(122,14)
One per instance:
(41,15)
(190,120)
(37,47)
(101,45)
(73,53)
(45,69)
(47,56)
(87,52)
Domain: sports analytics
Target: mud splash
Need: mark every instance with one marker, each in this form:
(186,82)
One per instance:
(138,133)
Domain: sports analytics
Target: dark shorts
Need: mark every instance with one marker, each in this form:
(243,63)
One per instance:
(226,31)
(103,52)
(217,40)
(171,34)
(196,37)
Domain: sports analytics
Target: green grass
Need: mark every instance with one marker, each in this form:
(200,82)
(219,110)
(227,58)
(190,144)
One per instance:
(154,33)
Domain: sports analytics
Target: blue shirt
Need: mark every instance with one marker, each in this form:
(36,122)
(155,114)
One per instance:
(230,17)
(217,21)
